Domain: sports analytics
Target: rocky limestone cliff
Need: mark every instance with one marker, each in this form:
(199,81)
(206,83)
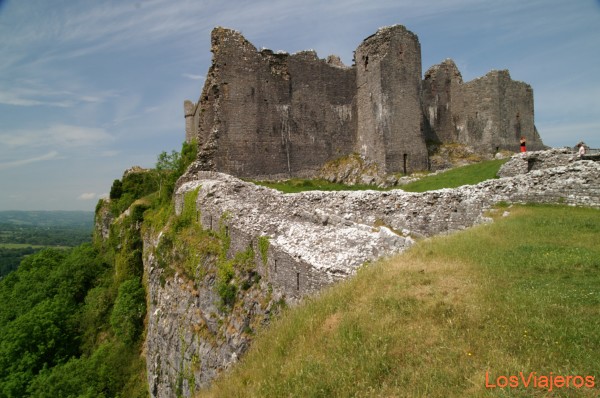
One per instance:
(230,253)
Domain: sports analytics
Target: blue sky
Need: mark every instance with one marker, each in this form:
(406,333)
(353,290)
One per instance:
(90,88)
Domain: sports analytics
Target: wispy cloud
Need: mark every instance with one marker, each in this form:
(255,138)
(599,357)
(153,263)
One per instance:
(27,92)
(22,162)
(57,136)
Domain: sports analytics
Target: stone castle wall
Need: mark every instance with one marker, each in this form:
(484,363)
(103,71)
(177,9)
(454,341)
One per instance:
(490,113)
(274,115)
(325,236)
(388,81)
(270,114)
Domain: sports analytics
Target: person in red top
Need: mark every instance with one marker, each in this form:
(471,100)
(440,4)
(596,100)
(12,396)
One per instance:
(523,146)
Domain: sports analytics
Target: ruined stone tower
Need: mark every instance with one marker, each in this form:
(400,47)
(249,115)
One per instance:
(489,113)
(388,81)
(274,115)
(265,114)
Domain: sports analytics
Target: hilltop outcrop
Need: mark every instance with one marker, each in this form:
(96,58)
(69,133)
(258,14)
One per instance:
(231,252)
(300,243)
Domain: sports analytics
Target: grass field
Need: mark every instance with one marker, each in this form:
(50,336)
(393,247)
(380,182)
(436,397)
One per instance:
(465,175)
(299,185)
(26,245)
(519,295)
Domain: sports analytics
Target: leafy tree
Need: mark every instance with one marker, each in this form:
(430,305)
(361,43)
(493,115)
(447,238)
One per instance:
(127,318)
(11,258)
(104,374)
(42,337)
(29,285)
(39,316)
(168,162)
(171,166)
(116,190)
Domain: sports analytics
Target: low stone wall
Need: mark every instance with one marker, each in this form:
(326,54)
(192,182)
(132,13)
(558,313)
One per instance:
(523,163)
(308,247)
(293,220)
(447,210)
(328,235)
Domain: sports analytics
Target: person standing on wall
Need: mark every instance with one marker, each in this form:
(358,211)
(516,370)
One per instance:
(523,144)
(581,151)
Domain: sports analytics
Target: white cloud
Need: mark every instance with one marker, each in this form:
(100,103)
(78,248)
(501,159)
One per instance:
(17,98)
(57,136)
(87,196)
(77,136)
(22,92)
(193,77)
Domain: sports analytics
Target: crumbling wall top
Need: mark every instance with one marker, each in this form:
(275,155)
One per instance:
(494,75)
(385,34)
(448,66)
(226,38)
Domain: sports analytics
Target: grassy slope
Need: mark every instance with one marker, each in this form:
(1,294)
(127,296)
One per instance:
(300,185)
(521,294)
(465,175)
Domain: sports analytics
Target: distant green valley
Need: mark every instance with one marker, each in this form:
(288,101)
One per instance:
(26,232)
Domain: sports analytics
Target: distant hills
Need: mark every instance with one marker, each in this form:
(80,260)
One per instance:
(65,219)
(25,232)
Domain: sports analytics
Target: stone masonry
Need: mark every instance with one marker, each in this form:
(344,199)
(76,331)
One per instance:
(388,96)
(490,113)
(325,236)
(265,114)
(274,115)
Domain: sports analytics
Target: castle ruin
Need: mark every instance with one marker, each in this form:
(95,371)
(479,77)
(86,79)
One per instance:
(272,115)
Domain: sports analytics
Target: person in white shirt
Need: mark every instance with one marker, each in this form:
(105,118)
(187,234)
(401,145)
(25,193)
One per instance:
(581,151)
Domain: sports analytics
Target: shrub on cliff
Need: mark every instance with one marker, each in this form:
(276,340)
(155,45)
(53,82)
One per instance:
(170,167)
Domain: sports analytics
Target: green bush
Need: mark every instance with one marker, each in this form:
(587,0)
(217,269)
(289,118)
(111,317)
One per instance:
(116,190)
(225,284)
(106,373)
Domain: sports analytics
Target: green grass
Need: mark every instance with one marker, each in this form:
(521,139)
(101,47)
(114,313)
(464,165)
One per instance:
(519,295)
(465,175)
(299,185)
